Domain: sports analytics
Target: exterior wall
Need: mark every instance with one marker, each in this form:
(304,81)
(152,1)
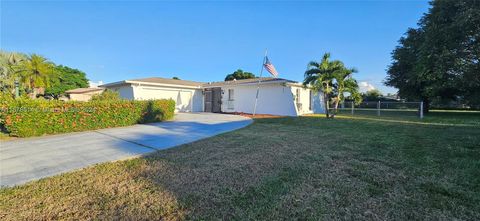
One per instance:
(125,91)
(302,100)
(303,104)
(186,100)
(318,105)
(197,101)
(275,99)
(83,96)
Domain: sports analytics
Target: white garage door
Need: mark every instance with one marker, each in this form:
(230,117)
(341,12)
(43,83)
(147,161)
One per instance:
(183,99)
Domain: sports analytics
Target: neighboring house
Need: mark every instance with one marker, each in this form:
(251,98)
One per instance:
(83,94)
(277,96)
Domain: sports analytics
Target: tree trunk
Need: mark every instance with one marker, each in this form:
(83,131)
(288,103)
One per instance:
(426,106)
(326,98)
(325,101)
(337,101)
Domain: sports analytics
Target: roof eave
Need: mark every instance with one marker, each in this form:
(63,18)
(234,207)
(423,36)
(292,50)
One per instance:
(113,84)
(162,84)
(126,82)
(249,83)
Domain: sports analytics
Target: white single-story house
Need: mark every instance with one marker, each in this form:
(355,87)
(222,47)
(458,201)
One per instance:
(277,96)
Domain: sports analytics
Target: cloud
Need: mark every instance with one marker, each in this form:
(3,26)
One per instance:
(365,86)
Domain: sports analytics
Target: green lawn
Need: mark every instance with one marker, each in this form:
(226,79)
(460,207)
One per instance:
(453,117)
(360,167)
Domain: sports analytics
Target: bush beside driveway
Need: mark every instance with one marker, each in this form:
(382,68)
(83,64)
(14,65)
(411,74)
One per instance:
(35,117)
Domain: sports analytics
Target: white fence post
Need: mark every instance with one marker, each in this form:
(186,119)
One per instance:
(378,108)
(352,107)
(421,110)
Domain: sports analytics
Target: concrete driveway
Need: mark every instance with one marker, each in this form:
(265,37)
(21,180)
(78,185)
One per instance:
(23,160)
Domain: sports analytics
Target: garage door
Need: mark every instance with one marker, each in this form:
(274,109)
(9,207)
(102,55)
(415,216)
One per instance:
(182,98)
(183,101)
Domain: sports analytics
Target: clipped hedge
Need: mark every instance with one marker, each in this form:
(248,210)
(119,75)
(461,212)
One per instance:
(27,117)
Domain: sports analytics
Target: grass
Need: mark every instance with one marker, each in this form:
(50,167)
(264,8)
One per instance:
(450,117)
(306,168)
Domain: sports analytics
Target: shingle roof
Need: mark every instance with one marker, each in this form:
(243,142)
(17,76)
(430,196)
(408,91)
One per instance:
(248,81)
(159,80)
(83,90)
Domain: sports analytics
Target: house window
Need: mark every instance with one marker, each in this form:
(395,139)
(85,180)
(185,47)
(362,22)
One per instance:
(230,94)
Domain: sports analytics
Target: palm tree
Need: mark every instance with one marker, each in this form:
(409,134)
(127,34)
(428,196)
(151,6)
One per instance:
(8,74)
(320,75)
(344,83)
(35,73)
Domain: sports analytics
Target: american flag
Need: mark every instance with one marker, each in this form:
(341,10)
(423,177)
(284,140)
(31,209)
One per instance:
(270,68)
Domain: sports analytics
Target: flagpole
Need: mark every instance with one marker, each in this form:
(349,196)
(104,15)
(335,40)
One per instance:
(258,84)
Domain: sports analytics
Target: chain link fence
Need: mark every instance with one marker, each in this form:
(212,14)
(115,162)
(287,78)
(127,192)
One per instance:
(383,108)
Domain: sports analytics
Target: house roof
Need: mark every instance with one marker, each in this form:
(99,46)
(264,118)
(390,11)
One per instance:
(248,81)
(83,90)
(195,84)
(160,80)
(156,81)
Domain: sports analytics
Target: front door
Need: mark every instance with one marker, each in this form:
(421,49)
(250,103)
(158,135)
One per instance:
(217,100)
(208,100)
(213,100)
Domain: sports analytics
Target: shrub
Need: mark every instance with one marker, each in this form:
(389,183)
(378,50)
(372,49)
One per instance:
(107,95)
(26,117)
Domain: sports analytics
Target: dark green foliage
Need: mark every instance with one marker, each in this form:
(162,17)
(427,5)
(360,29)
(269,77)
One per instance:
(440,60)
(66,79)
(26,117)
(238,75)
(372,95)
(333,79)
(176,78)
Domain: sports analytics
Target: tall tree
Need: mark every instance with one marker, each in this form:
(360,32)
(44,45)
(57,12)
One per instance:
(403,72)
(319,76)
(8,74)
(344,83)
(440,60)
(238,75)
(35,73)
(372,95)
(66,78)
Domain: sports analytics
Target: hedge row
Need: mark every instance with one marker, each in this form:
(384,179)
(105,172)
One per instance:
(27,117)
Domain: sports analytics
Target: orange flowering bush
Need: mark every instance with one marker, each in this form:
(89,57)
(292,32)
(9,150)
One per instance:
(26,117)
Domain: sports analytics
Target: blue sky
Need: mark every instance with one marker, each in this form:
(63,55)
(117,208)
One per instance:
(204,41)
